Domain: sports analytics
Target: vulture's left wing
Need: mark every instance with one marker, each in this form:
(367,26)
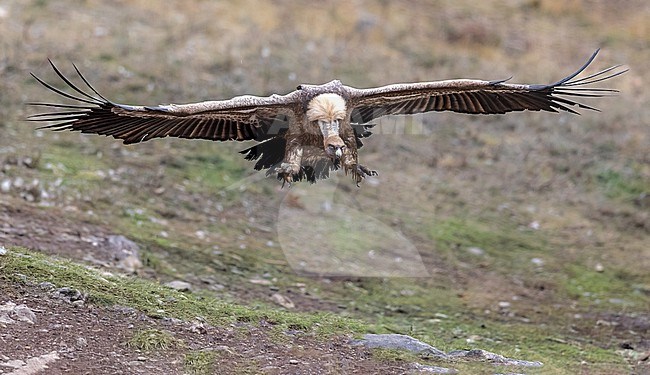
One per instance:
(478,97)
(240,118)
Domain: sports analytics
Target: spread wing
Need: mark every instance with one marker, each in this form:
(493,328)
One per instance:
(241,118)
(479,97)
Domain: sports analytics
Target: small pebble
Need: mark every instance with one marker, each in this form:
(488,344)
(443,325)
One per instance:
(537,261)
(5,186)
(475,251)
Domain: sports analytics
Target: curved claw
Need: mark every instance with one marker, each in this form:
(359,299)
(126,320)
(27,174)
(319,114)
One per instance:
(366,171)
(288,173)
(361,172)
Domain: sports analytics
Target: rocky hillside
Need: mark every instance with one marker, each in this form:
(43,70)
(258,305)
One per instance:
(523,235)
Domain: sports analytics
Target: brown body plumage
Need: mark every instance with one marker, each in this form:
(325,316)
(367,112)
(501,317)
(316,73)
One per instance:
(317,128)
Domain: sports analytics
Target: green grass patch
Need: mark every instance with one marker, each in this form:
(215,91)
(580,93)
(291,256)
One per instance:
(505,246)
(608,287)
(66,159)
(157,300)
(431,309)
(209,166)
(623,186)
(456,232)
(152,339)
(200,362)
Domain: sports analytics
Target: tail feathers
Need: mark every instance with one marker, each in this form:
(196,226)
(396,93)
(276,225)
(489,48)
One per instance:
(361,131)
(268,153)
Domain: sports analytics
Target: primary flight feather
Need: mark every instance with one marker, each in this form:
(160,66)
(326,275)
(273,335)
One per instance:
(316,128)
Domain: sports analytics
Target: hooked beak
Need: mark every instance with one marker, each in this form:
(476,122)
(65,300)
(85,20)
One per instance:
(335,152)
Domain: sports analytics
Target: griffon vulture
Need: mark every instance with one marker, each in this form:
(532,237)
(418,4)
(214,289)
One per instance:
(316,128)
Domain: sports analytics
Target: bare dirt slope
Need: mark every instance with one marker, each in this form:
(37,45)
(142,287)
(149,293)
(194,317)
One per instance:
(87,339)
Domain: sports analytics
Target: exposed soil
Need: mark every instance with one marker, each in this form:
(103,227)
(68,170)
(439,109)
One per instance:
(89,339)
(56,232)
(52,232)
(93,340)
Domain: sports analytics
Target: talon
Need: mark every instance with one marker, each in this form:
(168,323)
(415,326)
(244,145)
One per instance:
(364,171)
(288,173)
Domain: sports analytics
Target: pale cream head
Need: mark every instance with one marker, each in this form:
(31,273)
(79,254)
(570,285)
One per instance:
(328,110)
(327,107)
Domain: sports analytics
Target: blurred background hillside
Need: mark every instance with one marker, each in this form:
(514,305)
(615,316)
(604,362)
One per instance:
(530,232)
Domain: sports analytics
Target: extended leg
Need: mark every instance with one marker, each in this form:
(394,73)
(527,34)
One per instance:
(366,171)
(290,171)
(358,171)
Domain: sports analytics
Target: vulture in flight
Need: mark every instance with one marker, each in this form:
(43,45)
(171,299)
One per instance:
(316,128)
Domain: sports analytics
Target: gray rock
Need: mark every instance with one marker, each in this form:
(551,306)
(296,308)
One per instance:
(433,369)
(125,251)
(198,327)
(38,364)
(5,309)
(283,301)
(400,342)
(5,319)
(11,313)
(404,342)
(121,247)
(5,185)
(16,363)
(46,285)
(484,355)
(69,294)
(183,286)
(130,264)
(22,313)
(81,342)
(476,251)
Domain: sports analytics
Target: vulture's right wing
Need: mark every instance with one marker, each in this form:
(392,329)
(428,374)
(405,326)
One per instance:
(240,118)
